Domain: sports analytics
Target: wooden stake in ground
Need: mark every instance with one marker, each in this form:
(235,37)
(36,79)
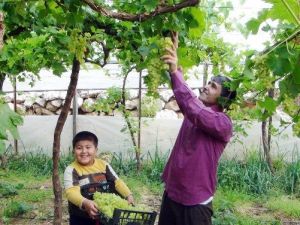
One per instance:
(2,29)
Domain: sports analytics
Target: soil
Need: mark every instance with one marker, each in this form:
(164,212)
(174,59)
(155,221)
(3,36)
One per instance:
(42,214)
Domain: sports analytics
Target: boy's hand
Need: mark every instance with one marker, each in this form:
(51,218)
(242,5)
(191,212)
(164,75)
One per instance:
(170,57)
(90,207)
(130,200)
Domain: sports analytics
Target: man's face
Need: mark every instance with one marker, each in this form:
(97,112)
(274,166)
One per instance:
(210,93)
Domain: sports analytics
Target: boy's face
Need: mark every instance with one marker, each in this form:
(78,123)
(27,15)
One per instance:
(85,152)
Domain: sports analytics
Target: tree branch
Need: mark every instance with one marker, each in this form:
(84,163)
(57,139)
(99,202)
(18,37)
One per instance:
(277,44)
(290,123)
(142,16)
(57,190)
(124,111)
(106,52)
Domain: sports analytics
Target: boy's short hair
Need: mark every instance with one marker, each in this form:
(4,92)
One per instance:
(227,94)
(85,135)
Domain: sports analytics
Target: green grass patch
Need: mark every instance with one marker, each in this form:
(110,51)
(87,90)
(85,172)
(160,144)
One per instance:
(7,189)
(246,220)
(37,164)
(289,206)
(36,195)
(22,193)
(16,208)
(233,196)
(248,193)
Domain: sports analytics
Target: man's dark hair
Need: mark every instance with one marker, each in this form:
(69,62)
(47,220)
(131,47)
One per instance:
(83,136)
(227,94)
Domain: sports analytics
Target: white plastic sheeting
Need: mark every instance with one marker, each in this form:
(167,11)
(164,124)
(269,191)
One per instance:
(37,134)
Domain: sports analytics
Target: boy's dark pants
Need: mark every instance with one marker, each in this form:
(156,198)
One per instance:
(173,213)
(77,220)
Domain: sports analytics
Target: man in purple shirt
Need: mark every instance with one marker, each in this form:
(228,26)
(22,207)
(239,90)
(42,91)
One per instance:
(190,175)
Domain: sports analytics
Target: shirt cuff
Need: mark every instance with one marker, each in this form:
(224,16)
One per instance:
(80,206)
(177,76)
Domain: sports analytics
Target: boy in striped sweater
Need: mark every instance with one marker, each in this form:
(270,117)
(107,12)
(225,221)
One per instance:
(86,175)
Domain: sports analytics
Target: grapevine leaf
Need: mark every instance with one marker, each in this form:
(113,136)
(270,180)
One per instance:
(199,16)
(187,57)
(248,72)
(296,119)
(268,103)
(9,121)
(253,25)
(2,147)
(144,51)
(289,86)
(296,72)
(296,76)
(279,62)
(149,5)
(280,11)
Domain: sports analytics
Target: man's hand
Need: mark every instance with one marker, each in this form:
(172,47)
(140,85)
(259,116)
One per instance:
(170,57)
(90,207)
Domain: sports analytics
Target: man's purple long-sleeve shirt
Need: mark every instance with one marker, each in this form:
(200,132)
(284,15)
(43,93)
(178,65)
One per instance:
(190,175)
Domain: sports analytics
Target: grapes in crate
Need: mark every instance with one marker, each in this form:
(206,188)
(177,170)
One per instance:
(107,202)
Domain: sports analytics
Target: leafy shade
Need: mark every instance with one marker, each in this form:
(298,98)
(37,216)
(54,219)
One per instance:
(9,121)
(285,11)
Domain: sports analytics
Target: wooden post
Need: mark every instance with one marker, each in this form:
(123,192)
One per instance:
(140,110)
(2,29)
(138,151)
(75,113)
(205,73)
(15,109)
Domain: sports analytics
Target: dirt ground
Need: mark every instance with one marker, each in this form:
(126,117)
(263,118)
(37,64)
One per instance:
(43,212)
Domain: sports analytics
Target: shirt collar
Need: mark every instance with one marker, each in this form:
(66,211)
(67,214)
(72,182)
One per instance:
(216,108)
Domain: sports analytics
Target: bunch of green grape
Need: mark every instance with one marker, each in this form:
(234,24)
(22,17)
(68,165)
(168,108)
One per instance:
(262,73)
(107,203)
(157,69)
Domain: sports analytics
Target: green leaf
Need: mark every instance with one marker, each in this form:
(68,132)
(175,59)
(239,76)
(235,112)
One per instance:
(296,75)
(296,72)
(279,63)
(284,12)
(187,57)
(253,25)
(149,5)
(289,86)
(199,16)
(9,121)
(144,51)
(2,147)
(269,104)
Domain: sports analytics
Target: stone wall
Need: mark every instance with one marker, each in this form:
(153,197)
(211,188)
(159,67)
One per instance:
(51,102)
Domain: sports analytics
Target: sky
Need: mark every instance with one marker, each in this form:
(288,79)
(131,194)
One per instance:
(243,12)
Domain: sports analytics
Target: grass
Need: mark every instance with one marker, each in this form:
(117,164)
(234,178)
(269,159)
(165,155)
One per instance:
(248,194)
(27,196)
(38,164)
(37,195)
(286,204)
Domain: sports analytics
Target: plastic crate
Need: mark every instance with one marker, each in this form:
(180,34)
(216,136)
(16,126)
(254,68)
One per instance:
(106,187)
(128,217)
